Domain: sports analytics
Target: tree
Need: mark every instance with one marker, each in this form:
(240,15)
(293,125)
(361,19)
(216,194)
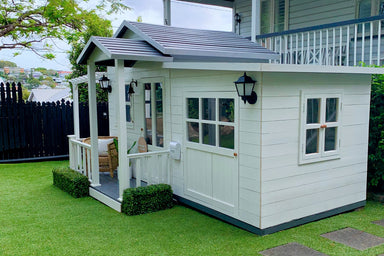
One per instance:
(25,23)
(5,63)
(376,136)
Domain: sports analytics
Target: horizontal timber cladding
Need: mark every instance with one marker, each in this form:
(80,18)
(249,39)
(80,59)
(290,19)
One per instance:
(302,190)
(306,13)
(38,131)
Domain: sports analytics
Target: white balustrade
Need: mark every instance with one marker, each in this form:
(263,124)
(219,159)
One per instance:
(349,43)
(148,168)
(80,156)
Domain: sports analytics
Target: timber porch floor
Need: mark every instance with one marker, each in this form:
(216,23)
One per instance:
(110,186)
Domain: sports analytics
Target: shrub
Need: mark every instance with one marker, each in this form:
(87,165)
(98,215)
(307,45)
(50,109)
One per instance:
(376,136)
(76,184)
(147,199)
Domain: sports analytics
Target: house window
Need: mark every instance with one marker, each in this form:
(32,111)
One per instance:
(273,16)
(211,121)
(320,131)
(153,110)
(128,105)
(368,8)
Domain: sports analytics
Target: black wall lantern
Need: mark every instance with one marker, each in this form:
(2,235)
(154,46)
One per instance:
(105,83)
(244,87)
(131,85)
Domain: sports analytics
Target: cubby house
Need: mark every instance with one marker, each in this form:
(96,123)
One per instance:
(292,151)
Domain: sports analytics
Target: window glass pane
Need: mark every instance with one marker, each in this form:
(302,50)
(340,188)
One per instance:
(193,108)
(148,114)
(209,109)
(159,115)
(331,110)
(128,113)
(226,110)
(312,141)
(313,108)
(364,8)
(330,139)
(279,15)
(193,131)
(127,96)
(227,136)
(209,134)
(266,12)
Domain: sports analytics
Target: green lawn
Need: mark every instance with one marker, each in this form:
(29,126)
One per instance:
(37,218)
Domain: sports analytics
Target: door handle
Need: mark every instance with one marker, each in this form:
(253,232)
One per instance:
(235,154)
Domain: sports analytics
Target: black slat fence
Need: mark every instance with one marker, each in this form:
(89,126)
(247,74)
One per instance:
(34,130)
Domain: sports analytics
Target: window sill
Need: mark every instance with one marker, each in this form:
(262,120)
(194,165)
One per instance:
(318,159)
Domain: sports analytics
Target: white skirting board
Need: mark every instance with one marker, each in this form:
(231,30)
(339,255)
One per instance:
(105,199)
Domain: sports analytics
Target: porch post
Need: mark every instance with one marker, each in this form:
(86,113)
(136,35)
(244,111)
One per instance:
(256,19)
(93,123)
(167,12)
(124,173)
(76,118)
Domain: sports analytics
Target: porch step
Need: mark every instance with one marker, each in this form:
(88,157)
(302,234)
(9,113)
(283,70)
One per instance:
(105,199)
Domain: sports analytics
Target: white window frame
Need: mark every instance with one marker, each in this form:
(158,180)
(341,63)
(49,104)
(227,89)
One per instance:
(153,81)
(321,155)
(272,16)
(211,148)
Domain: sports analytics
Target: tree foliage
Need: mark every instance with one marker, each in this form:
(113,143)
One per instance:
(5,63)
(23,23)
(376,136)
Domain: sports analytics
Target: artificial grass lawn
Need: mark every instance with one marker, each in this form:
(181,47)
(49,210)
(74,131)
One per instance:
(37,218)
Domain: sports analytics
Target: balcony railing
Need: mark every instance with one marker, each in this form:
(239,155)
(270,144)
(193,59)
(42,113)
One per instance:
(347,43)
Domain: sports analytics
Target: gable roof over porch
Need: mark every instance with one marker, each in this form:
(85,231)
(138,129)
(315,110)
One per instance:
(164,43)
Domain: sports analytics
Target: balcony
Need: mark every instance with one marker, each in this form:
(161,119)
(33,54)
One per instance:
(348,43)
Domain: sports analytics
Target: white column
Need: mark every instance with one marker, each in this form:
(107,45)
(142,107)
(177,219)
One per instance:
(71,152)
(256,19)
(76,118)
(124,173)
(167,12)
(93,123)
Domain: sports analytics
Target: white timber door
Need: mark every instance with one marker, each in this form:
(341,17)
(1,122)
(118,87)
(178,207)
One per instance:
(211,143)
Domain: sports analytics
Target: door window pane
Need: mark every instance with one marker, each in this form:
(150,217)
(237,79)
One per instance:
(128,113)
(209,134)
(209,109)
(227,136)
(226,110)
(127,95)
(193,108)
(159,115)
(330,139)
(331,110)
(148,114)
(313,107)
(193,131)
(312,141)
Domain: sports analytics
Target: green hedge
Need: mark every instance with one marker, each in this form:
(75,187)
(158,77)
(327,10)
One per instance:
(76,184)
(147,199)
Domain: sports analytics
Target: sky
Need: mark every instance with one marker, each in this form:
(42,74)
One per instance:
(184,14)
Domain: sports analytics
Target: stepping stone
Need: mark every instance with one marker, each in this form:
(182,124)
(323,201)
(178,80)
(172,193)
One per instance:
(291,249)
(354,238)
(379,222)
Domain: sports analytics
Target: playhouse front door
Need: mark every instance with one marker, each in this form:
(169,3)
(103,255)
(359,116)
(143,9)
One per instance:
(211,149)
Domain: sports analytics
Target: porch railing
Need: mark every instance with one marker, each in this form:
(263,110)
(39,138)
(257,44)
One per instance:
(80,156)
(147,168)
(347,43)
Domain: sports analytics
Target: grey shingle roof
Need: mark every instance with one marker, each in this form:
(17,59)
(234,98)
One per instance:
(185,42)
(121,48)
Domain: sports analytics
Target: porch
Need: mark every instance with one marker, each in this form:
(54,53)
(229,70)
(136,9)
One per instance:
(144,169)
(354,42)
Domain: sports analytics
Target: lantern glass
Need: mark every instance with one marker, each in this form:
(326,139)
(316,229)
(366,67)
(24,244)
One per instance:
(104,82)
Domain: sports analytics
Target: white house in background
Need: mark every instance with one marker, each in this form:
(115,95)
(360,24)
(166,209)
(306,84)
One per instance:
(50,95)
(298,154)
